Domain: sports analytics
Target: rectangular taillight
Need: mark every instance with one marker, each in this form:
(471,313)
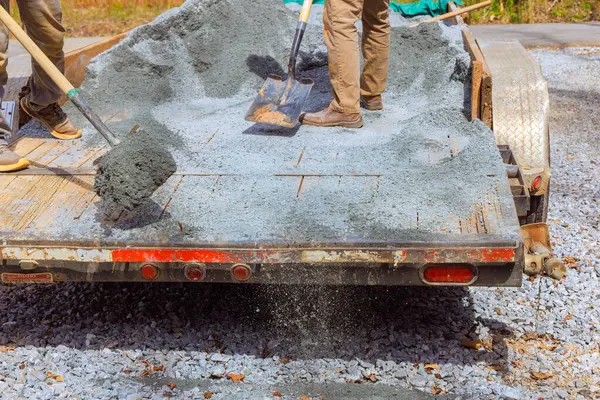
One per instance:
(453,274)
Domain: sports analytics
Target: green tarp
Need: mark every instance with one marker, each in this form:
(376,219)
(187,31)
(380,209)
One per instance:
(422,7)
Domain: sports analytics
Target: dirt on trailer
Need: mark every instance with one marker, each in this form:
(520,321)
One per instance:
(417,168)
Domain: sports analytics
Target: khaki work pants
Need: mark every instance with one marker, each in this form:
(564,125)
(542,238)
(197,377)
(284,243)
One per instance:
(341,38)
(43,23)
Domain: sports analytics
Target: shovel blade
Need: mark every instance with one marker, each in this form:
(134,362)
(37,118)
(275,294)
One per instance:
(279,102)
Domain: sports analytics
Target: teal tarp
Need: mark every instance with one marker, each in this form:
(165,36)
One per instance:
(422,7)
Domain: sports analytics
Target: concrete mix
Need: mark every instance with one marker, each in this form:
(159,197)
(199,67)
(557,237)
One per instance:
(189,77)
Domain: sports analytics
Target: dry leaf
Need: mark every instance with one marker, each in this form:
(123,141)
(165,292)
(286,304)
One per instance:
(159,367)
(431,367)
(303,397)
(497,367)
(59,378)
(568,317)
(277,394)
(438,376)
(371,377)
(235,378)
(208,395)
(540,376)
(4,349)
(549,347)
(570,260)
(471,344)
(435,390)
(22,366)
(171,385)
(284,360)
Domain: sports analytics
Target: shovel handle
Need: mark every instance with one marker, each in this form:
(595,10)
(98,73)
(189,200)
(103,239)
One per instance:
(300,28)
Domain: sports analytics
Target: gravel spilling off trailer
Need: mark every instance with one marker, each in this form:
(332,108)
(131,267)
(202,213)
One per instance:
(418,171)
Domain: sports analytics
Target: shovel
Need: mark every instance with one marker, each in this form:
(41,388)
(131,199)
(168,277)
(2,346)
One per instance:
(280,102)
(121,178)
(58,78)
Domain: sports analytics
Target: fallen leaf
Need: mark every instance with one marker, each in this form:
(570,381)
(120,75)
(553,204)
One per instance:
(159,367)
(59,378)
(497,367)
(208,395)
(438,376)
(22,366)
(498,311)
(171,385)
(277,394)
(471,344)
(540,376)
(430,367)
(371,377)
(235,378)
(567,318)
(4,349)
(284,360)
(570,260)
(435,390)
(303,397)
(549,347)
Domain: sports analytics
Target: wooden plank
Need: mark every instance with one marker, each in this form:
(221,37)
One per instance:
(76,61)
(42,150)
(24,146)
(479,70)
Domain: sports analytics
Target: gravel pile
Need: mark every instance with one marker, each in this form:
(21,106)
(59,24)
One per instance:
(236,341)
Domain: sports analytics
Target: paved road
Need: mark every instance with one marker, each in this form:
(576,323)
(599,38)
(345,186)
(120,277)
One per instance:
(543,35)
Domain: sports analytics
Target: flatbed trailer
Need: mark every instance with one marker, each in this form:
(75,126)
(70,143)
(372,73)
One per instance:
(336,236)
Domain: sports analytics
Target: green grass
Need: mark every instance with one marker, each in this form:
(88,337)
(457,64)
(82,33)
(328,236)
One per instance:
(111,17)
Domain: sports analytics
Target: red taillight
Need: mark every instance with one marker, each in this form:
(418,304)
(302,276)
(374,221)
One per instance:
(194,273)
(448,273)
(149,271)
(241,272)
(537,182)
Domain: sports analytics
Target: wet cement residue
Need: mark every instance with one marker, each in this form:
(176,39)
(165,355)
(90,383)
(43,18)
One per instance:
(131,172)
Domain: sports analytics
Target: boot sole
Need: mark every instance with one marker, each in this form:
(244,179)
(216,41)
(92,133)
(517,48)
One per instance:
(21,164)
(353,125)
(54,133)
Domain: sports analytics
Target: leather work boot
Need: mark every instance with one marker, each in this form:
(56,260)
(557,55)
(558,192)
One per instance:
(329,117)
(371,103)
(10,161)
(54,118)
(23,116)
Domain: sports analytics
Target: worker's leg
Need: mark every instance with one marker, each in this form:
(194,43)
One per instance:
(376,51)
(341,38)
(42,20)
(9,161)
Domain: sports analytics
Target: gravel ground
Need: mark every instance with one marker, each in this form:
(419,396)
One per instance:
(241,341)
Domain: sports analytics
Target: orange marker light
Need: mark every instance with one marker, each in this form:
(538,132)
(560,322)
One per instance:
(537,182)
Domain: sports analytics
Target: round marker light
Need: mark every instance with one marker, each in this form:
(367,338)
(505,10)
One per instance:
(194,272)
(149,271)
(241,272)
(537,182)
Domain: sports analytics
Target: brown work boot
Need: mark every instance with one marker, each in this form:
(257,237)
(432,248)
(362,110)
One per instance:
(10,161)
(54,118)
(371,103)
(23,116)
(329,117)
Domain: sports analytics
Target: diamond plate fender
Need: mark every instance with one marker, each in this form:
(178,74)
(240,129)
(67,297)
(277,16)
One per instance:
(520,107)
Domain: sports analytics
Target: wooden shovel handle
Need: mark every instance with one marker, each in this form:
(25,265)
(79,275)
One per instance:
(456,12)
(305,11)
(37,54)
